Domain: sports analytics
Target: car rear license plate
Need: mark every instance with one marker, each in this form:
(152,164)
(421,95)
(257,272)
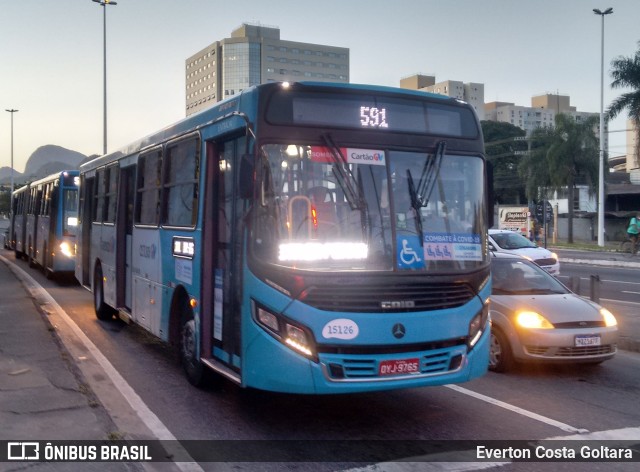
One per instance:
(399,367)
(587,341)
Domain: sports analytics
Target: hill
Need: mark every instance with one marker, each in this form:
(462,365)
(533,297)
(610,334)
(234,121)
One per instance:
(44,161)
(49,154)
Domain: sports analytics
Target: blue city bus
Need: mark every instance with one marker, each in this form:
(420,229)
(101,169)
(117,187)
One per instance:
(306,238)
(18,223)
(47,209)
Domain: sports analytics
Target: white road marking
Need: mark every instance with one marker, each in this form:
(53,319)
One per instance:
(518,410)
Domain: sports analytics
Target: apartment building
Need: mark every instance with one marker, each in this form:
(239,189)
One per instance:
(472,92)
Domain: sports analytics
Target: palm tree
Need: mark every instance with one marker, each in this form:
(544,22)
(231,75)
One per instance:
(561,158)
(626,74)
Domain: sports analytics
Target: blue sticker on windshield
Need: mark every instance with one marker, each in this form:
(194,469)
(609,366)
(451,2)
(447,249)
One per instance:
(409,252)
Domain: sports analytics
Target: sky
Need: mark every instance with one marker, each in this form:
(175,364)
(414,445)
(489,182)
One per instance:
(51,56)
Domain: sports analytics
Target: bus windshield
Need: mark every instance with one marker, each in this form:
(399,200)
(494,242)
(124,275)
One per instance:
(339,208)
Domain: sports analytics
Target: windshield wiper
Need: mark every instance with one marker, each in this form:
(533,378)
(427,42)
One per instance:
(429,177)
(344,176)
(416,204)
(420,196)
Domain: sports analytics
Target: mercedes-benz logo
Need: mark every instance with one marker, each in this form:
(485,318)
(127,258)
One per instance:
(398,330)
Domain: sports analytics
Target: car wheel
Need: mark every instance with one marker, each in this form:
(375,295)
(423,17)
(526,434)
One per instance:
(500,356)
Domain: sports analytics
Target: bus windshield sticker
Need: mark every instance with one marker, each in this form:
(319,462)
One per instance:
(353,155)
(341,328)
(452,247)
(409,252)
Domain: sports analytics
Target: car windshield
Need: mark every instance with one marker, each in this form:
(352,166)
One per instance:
(515,276)
(337,208)
(508,240)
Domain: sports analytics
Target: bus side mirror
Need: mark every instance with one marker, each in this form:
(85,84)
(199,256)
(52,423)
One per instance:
(246,177)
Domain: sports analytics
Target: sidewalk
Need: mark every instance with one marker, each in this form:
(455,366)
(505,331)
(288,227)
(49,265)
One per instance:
(44,396)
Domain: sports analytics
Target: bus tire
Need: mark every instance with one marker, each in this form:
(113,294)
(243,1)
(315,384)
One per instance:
(500,356)
(189,357)
(103,311)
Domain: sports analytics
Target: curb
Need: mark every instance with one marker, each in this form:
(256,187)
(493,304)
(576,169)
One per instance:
(601,262)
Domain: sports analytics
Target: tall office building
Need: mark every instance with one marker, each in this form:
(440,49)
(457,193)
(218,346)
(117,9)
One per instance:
(253,55)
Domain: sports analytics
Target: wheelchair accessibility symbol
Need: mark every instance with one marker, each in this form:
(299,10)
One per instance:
(410,253)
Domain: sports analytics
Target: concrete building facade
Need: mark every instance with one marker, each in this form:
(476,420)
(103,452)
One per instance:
(472,92)
(255,54)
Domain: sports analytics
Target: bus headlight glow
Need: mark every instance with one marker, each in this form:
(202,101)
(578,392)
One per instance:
(477,324)
(322,251)
(297,339)
(532,320)
(65,248)
(294,337)
(609,319)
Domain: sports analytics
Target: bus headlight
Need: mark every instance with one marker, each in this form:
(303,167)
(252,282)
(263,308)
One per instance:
(65,248)
(477,324)
(288,333)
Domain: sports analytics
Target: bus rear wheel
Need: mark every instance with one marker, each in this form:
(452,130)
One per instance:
(103,311)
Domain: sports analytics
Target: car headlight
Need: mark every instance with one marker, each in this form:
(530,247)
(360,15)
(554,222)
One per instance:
(292,335)
(554,255)
(609,319)
(531,320)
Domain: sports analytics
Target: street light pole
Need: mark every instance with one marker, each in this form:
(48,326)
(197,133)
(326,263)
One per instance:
(608,11)
(12,111)
(103,4)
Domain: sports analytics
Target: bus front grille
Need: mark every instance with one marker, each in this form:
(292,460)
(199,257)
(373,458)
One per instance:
(388,298)
(356,368)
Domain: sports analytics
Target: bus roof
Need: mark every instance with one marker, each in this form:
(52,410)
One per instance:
(232,104)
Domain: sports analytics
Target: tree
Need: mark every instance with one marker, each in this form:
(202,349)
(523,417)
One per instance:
(561,158)
(626,74)
(501,150)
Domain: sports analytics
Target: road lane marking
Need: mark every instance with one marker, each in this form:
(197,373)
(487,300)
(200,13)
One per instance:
(518,410)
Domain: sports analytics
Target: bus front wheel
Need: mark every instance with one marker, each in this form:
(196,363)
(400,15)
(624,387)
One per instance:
(189,357)
(103,311)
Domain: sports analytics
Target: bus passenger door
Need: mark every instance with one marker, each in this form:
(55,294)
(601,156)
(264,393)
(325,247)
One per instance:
(124,236)
(222,267)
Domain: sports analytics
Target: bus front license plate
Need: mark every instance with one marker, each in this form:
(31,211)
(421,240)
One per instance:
(399,367)
(582,341)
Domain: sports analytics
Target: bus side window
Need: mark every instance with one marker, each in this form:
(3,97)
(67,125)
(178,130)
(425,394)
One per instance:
(181,184)
(147,211)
